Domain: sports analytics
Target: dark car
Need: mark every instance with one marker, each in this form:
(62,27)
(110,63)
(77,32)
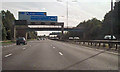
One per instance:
(21,40)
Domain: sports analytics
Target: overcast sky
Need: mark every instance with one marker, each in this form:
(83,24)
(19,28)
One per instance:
(78,11)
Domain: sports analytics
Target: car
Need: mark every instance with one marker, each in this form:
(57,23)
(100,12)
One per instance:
(109,37)
(38,38)
(76,38)
(71,38)
(21,40)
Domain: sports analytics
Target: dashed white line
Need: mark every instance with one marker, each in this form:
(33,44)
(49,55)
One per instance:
(8,46)
(53,47)
(60,53)
(24,48)
(4,46)
(8,55)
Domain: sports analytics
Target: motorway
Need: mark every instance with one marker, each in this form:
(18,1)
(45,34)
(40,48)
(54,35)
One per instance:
(55,55)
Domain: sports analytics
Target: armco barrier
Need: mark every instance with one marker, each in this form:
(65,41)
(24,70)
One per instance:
(111,43)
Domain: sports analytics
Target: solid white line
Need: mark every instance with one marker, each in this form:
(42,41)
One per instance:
(60,53)
(8,55)
(53,47)
(112,53)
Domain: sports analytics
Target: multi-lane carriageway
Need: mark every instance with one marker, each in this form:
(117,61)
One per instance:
(55,55)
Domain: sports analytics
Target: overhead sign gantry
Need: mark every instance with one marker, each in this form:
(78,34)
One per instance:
(36,18)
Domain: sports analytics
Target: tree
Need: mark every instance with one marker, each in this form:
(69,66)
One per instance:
(2,29)
(7,21)
(92,29)
(96,29)
(112,17)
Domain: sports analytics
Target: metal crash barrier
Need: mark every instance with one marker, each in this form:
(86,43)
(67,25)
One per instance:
(98,43)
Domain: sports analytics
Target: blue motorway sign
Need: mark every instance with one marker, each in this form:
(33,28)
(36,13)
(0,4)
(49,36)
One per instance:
(44,18)
(33,13)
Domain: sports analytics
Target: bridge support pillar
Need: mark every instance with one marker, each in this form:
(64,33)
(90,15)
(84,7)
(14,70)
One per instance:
(21,32)
(62,31)
(20,29)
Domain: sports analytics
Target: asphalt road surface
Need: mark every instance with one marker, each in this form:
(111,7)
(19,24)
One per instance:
(55,55)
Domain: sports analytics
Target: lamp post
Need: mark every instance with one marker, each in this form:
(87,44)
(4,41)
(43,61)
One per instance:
(67,9)
(111,19)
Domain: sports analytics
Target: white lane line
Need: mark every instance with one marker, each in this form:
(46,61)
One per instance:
(24,48)
(7,46)
(8,55)
(112,53)
(4,46)
(53,47)
(60,53)
(14,44)
(30,45)
(11,45)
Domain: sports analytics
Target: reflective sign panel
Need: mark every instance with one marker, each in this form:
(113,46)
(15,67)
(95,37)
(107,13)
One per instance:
(43,18)
(33,13)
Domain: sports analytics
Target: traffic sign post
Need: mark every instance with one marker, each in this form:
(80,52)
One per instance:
(36,18)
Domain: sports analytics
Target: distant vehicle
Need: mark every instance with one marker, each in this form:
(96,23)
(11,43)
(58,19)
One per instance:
(38,38)
(43,38)
(71,38)
(21,40)
(76,38)
(109,37)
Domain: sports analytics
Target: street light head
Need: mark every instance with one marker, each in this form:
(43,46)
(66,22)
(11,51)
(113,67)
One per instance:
(74,1)
(59,0)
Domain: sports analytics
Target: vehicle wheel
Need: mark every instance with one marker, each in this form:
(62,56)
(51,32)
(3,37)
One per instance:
(24,43)
(17,43)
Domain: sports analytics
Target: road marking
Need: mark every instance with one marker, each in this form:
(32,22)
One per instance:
(30,45)
(8,46)
(96,49)
(24,48)
(60,53)
(103,50)
(112,53)
(53,47)
(8,55)
(4,46)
